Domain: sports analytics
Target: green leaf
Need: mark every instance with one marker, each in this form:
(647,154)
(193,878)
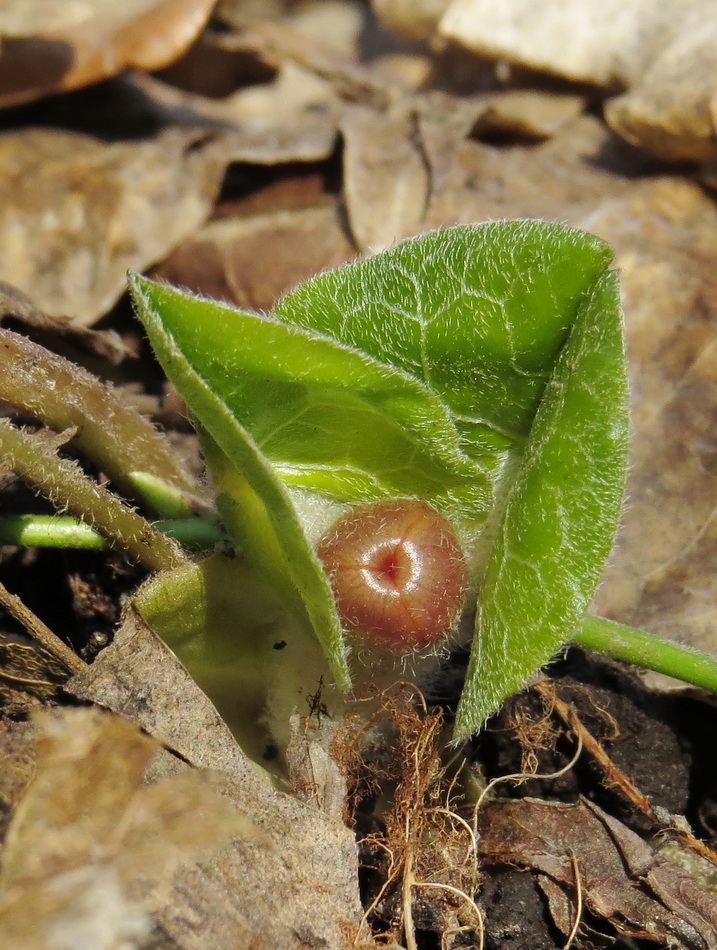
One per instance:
(231,631)
(327,417)
(477,313)
(561,514)
(269,522)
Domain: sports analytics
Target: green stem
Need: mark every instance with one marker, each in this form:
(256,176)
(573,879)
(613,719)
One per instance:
(60,531)
(649,651)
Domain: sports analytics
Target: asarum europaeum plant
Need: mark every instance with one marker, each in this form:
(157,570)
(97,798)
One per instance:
(413,451)
(430,438)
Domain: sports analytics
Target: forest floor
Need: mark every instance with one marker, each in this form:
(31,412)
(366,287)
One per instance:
(237,157)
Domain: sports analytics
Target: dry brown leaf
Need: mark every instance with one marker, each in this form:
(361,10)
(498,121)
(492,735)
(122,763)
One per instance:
(28,673)
(212,70)
(279,43)
(89,765)
(252,261)
(385,177)
(304,890)
(668,111)
(663,53)
(529,113)
(138,677)
(685,883)
(555,839)
(293,119)
(343,21)
(53,332)
(76,213)
(607,45)
(53,46)
(17,755)
(54,652)
(314,775)
(661,575)
(558,180)
(84,834)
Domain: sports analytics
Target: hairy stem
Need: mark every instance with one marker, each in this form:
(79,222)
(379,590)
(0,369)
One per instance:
(61,481)
(109,431)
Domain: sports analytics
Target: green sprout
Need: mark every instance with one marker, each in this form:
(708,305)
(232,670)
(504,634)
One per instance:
(471,382)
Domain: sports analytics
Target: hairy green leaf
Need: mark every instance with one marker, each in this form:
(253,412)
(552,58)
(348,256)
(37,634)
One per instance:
(476,313)
(266,525)
(561,513)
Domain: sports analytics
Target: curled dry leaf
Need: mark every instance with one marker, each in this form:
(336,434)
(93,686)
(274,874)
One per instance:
(662,53)
(52,46)
(611,862)
(668,111)
(77,212)
(606,45)
(292,119)
(386,180)
(530,113)
(280,43)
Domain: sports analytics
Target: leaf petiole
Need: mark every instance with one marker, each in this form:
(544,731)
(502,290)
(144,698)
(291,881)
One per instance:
(648,650)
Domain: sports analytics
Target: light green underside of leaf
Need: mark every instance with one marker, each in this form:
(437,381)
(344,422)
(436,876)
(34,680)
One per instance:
(267,522)
(561,514)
